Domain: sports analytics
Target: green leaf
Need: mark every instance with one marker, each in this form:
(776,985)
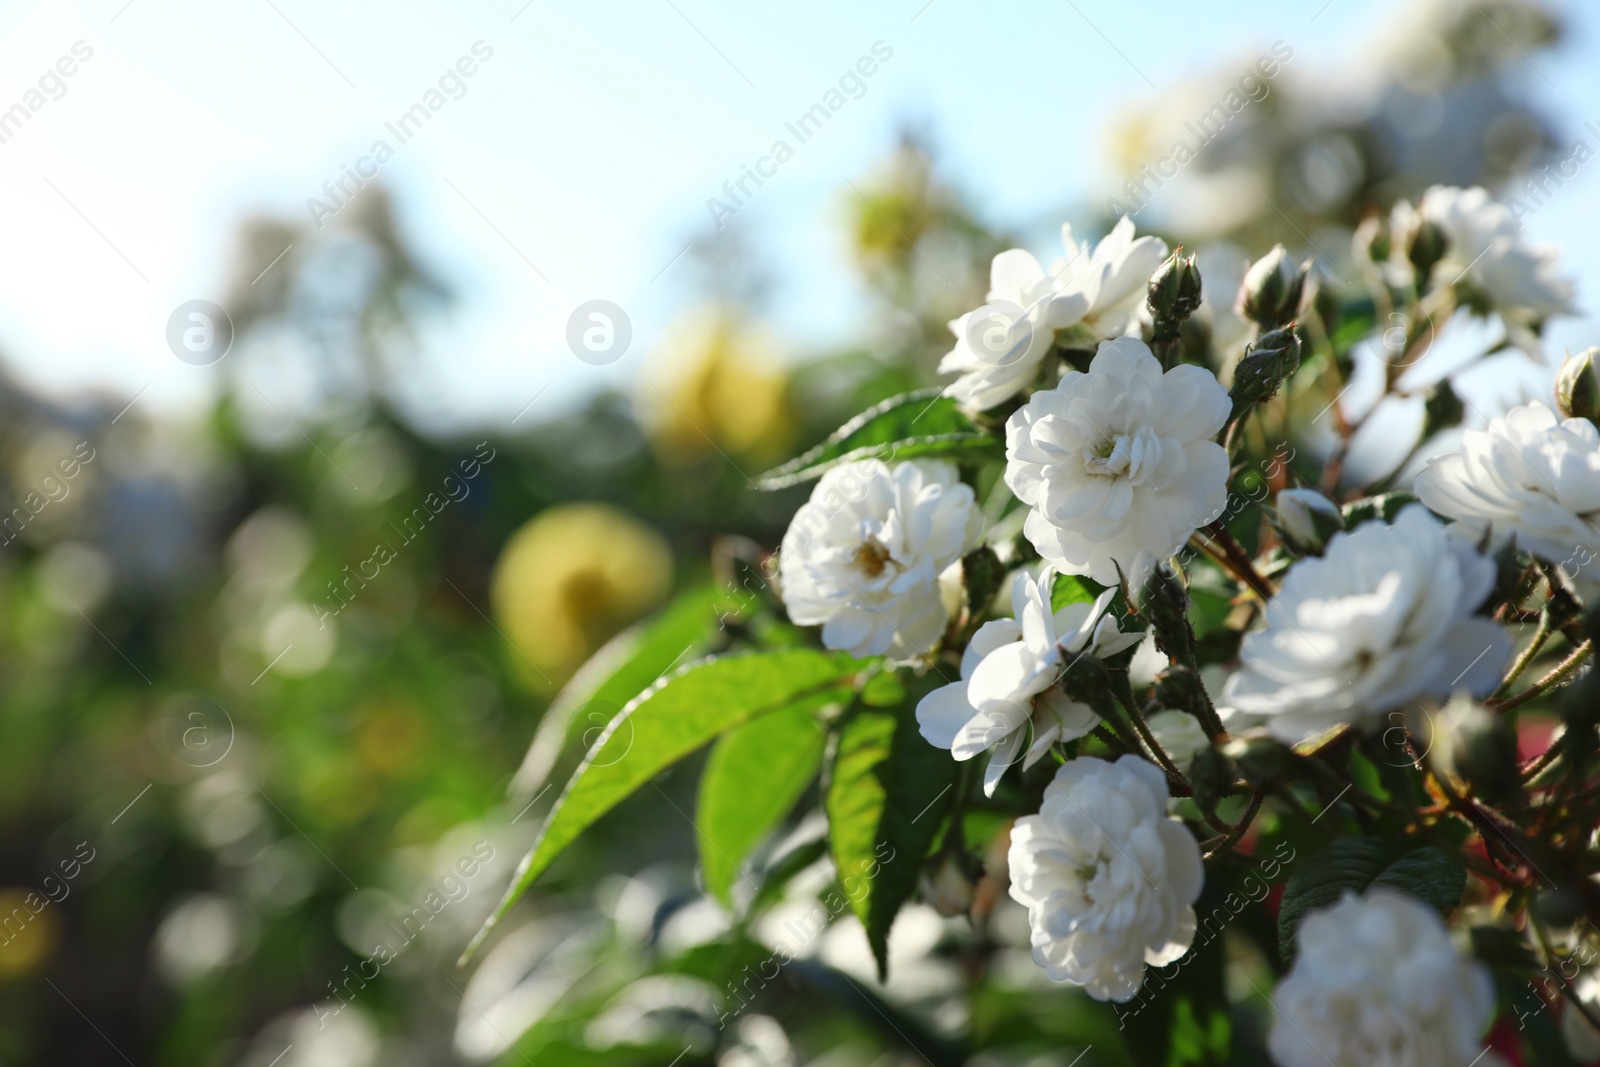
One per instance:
(922,423)
(752,780)
(623,668)
(1073,589)
(1357,863)
(886,797)
(1384,506)
(667,722)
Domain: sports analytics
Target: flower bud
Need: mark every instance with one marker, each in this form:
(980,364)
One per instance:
(1265,366)
(1426,246)
(1270,295)
(1174,290)
(1578,386)
(1165,602)
(1371,239)
(1466,740)
(1306,519)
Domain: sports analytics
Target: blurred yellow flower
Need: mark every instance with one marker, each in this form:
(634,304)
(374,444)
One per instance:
(715,383)
(570,578)
(29,928)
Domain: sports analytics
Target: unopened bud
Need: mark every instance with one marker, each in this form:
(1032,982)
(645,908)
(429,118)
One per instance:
(1165,602)
(1174,291)
(1210,774)
(1306,520)
(1265,367)
(1270,295)
(1426,246)
(1371,240)
(1578,386)
(1466,740)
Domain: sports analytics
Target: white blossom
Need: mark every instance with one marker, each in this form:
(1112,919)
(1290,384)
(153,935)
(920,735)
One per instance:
(1118,465)
(1485,251)
(863,557)
(1531,476)
(1114,278)
(1009,680)
(1109,880)
(1000,345)
(1179,734)
(1096,294)
(1577,1032)
(1376,982)
(1383,617)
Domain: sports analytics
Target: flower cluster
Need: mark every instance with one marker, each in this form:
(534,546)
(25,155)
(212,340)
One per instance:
(1331,616)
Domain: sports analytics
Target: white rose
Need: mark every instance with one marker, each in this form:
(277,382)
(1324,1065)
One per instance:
(1529,475)
(1384,616)
(1009,676)
(862,558)
(1000,345)
(1114,278)
(1118,464)
(1109,880)
(1485,249)
(1179,734)
(1376,982)
(1095,295)
(1578,1033)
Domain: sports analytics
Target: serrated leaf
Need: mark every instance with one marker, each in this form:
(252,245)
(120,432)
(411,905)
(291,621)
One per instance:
(660,726)
(753,778)
(1357,863)
(923,423)
(887,794)
(624,667)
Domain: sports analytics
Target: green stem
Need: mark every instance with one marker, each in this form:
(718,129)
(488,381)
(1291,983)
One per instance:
(1526,657)
(1565,668)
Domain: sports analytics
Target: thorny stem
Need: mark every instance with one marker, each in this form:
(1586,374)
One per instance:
(1527,655)
(1238,830)
(1564,669)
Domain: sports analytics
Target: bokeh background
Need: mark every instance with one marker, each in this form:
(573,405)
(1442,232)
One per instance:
(280,628)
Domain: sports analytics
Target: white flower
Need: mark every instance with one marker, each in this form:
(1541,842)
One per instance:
(1384,617)
(1009,676)
(1579,1034)
(1485,250)
(1529,475)
(862,558)
(1118,464)
(1179,734)
(1108,879)
(999,346)
(1377,983)
(1098,294)
(1114,279)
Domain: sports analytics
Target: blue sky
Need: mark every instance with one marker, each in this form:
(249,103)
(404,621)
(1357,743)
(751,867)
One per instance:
(577,163)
